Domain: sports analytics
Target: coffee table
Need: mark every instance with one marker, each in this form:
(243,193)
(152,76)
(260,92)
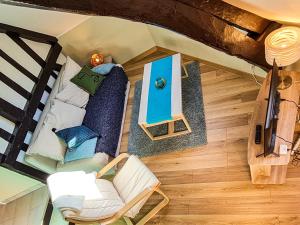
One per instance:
(161,99)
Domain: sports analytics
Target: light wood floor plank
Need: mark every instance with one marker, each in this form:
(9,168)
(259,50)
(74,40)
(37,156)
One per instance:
(273,219)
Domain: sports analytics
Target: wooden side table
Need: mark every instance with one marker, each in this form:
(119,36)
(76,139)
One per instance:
(161,98)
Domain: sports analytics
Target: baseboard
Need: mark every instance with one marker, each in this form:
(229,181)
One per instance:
(188,58)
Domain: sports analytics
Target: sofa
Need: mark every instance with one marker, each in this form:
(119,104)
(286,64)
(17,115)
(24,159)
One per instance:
(104,113)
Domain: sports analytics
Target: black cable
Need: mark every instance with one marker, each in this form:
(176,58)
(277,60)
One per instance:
(284,139)
(292,102)
(298,106)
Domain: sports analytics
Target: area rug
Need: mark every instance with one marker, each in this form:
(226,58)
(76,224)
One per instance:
(192,101)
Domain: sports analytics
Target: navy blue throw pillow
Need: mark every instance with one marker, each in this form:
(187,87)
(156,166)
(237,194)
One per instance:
(75,136)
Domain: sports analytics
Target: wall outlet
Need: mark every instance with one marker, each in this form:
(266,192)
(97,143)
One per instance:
(283,150)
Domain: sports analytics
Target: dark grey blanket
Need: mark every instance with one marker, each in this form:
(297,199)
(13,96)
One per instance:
(104,111)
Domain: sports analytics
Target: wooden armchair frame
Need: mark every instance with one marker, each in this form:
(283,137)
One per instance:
(142,196)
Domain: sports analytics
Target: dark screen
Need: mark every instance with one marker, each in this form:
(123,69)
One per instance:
(272,112)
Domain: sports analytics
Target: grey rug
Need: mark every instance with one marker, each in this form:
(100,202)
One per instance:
(192,101)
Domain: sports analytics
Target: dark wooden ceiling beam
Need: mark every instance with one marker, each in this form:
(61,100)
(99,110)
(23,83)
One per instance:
(272,26)
(182,16)
(233,15)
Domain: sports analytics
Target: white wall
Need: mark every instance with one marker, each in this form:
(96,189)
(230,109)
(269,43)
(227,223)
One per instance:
(120,38)
(44,21)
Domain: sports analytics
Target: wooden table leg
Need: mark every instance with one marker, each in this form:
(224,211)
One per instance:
(171,127)
(186,75)
(147,131)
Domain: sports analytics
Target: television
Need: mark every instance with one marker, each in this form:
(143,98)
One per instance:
(270,126)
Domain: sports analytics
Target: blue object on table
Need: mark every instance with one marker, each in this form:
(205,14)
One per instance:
(83,151)
(160,83)
(103,69)
(159,99)
(75,136)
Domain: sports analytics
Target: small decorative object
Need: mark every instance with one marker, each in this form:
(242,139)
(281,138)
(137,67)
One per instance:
(283,46)
(97,59)
(88,80)
(160,83)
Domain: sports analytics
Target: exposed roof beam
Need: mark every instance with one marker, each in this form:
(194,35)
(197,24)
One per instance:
(233,15)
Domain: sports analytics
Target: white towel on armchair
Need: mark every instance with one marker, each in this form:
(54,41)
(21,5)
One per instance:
(69,190)
(73,203)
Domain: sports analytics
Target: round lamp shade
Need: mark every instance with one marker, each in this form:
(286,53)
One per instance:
(283,45)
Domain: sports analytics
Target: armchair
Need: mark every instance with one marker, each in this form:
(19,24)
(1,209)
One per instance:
(123,197)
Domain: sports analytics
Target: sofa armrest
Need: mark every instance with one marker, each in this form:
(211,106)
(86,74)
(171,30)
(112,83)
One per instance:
(41,163)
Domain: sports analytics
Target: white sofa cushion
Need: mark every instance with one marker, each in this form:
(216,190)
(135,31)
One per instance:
(69,92)
(71,69)
(47,144)
(133,179)
(99,206)
(71,95)
(63,115)
(44,164)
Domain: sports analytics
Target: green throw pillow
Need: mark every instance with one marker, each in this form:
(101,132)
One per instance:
(88,80)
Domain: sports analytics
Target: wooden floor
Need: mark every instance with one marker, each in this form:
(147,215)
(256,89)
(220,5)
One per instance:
(210,185)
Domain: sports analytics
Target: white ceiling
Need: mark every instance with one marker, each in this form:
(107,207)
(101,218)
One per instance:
(48,22)
(280,10)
